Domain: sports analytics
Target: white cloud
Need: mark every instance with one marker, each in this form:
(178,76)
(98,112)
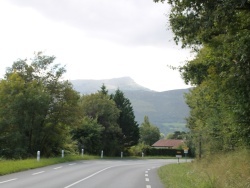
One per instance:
(94,39)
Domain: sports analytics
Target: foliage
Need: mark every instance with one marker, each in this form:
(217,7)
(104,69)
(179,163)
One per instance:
(36,108)
(126,120)
(177,135)
(219,32)
(138,149)
(149,133)
(88,135)
(100,107)
(196,22)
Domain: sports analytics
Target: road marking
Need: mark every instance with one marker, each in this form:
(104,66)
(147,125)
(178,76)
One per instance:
(148,169)
(57,167)
(72,164)
(146,179)
(8,180)
(88,177)
(148,186)
(38,173)
(146,174)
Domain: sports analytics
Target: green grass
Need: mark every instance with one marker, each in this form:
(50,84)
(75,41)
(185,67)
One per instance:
(11,166)
(230,170)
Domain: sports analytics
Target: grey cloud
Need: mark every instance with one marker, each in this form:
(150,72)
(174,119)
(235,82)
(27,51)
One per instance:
(131,22)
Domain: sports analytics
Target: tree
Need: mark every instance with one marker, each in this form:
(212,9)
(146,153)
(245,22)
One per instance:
(126,120)
(219,103)
(99,106)
(149,133)
(89,135)
(177,135)
(196,22)
(36,109)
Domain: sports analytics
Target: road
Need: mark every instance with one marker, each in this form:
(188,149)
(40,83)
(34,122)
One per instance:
(90,174)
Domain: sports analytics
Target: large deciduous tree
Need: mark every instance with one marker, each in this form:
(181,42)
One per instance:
(37,109)
(89,135)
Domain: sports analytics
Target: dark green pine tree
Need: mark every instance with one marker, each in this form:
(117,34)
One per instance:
(126,120)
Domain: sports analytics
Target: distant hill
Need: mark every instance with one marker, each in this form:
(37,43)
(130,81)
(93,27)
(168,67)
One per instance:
(92,86)
(166,110)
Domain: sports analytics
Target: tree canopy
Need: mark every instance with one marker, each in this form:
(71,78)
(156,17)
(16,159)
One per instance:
(36,108)
(149,133)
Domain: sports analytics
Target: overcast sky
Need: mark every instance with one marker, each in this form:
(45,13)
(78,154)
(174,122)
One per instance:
(94,39)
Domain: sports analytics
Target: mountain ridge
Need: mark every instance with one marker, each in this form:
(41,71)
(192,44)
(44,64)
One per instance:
(166,109)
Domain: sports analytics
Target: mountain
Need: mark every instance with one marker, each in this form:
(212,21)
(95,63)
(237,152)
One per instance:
(166,110)
(92,86)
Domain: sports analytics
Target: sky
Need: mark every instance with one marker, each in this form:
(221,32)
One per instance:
(95,39)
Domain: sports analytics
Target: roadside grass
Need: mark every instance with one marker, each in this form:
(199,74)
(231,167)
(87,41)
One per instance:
(231,170)
(11,166)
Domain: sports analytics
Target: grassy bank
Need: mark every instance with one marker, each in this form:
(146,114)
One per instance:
(11,166)
(231,170)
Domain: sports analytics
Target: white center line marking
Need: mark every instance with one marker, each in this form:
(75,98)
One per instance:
(8,180)
(146,179)
(148,186)
(88,177)
(38,173)
(58,167)
(72,164)
(146,174)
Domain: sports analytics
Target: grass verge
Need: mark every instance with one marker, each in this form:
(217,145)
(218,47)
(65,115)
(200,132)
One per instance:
(11,166)
(229,170)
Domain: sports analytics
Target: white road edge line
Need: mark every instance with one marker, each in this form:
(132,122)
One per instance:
(8,180)
(88,177)
(38,173)
(72,164)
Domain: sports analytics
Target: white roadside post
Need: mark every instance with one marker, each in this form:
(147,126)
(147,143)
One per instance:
(38,156)
(102,154)
(82,152)
(142,154)
(62,153)
(121,154)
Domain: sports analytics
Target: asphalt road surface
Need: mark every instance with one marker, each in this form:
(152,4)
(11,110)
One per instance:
(90,174)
